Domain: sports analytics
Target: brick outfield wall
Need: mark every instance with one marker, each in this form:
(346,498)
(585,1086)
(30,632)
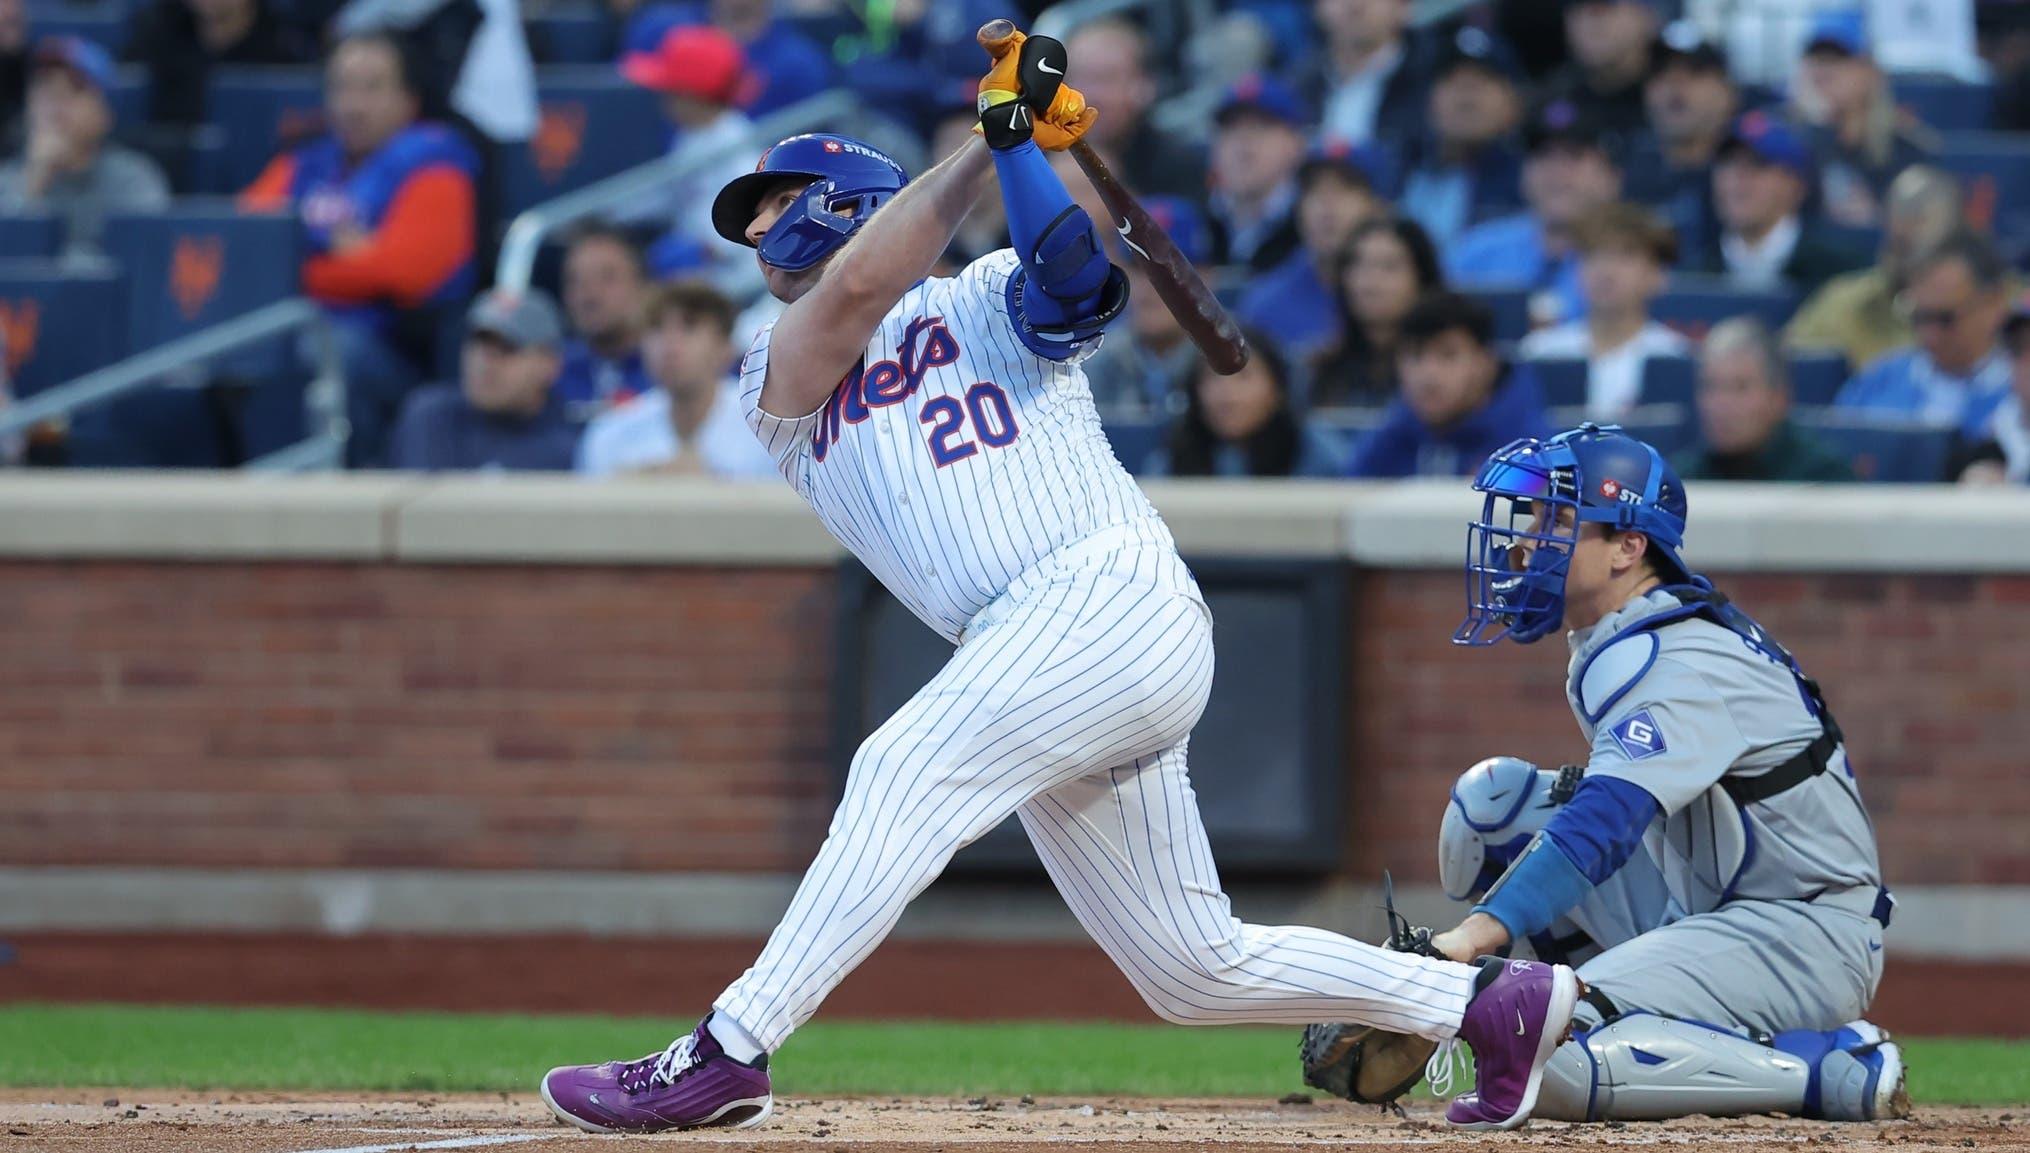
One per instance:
(323,715)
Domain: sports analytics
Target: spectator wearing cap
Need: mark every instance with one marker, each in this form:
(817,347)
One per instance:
(1624,255)
(1143,365)
(1691,103)
(1293,303)
(387,202)
(1858,136)
(1760,185)
(1110,64)
(67,166)
(1745,431)
(605,286)
(1385,269)
(1369,79)
(181,42)
(1958,371)
(14,45)
(1459,401)
(1568,174)
(1245,424)
(1257,147)
(690,423)
(504,414)
(1609,42)
(1856,314)
(702,75)
(1466,168)
(786,65)
(2002,454)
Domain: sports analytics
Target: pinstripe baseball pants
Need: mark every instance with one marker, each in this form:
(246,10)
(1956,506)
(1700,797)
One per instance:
(1070,702)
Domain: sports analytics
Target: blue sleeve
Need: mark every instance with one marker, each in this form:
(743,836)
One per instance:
(1036,199)
(1584,844)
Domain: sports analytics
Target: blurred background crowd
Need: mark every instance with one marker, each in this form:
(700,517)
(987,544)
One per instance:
(1781,239)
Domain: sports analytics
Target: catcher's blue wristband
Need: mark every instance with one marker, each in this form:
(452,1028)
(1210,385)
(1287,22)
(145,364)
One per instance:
(1536,890)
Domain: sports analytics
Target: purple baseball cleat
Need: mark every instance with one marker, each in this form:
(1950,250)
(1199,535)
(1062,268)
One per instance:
(692,1084)
(1520,1013)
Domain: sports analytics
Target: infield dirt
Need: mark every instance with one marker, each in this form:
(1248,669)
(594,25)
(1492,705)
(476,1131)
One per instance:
(105,1120)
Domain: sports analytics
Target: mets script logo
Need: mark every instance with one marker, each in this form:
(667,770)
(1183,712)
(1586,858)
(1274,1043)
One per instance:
(195,268)
(20,323)
(926,344)
(560,135)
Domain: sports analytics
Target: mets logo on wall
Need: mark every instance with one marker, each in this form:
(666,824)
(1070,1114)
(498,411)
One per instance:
(20,324)
(560,136)
(195,269)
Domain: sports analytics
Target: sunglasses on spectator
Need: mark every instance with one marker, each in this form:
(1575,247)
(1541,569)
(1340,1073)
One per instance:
(1930,317)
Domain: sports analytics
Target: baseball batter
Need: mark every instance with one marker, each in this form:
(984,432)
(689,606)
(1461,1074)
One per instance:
(1713,858)
(943,431)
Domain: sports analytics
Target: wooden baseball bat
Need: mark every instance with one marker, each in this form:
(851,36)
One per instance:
(1204,319)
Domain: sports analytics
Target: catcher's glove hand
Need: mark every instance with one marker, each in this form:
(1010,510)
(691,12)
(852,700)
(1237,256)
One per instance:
(1360,1062)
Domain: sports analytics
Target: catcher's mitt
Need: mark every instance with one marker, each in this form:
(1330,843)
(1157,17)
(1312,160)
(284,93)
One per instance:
(1360,1062)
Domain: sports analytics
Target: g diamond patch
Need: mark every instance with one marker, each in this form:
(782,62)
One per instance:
(1639,736)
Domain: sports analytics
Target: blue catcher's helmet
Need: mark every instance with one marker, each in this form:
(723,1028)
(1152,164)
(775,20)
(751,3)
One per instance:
(843,172)
(1517,553)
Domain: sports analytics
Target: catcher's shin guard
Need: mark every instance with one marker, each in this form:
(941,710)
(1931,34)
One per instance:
(1642,1067)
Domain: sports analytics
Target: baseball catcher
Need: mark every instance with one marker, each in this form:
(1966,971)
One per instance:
(1711,869)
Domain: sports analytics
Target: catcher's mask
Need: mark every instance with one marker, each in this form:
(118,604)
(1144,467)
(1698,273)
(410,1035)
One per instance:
(1519,552)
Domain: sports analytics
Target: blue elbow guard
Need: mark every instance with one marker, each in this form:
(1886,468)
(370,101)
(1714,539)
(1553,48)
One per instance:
(1053,328)
(1068,263)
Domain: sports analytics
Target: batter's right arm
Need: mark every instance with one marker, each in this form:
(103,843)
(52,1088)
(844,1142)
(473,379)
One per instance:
(822,334)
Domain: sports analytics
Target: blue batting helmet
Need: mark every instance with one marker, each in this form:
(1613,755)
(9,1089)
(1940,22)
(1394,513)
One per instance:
(843,172)
(1518,552)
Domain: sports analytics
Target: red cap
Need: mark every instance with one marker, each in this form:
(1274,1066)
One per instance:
(695,60)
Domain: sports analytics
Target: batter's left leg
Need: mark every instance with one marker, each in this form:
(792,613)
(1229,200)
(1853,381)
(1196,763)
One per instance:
(1127,849)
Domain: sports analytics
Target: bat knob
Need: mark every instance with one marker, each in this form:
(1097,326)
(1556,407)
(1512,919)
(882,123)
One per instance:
(994,30)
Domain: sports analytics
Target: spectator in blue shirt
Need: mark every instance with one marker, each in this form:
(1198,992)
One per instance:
(1388,266)
(1245,425)
(1466,167)
(605,284)
(1692,102)
(1369,78)
(1957,372)
(785,65)
(1257,147)
(1568,174)
(1459,401)
(1294,304)
(503,415)
(2003,455)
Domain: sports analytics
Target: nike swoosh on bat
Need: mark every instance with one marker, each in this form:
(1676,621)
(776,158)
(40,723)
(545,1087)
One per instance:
(1044,66)
(1123,228)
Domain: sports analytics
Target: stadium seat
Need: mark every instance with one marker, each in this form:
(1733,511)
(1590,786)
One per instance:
(60,323)
(569,35)
(1511,308)
(1669,380)
(30,236)
(104,24)
(1668,427)
(1133,438)
(1996,170)
(261,111)
(128,98)
(199,264)
(1694,304)
(594,124)
(1945,103)
(1564,381)
(1816,377)
(1887,451)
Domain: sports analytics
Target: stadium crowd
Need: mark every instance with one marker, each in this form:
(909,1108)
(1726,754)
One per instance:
(1439,235)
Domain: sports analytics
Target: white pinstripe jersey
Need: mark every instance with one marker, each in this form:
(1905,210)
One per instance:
(952,458)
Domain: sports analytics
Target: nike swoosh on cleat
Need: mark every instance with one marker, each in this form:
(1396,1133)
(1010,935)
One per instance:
(1519,1027)
(1044,66)
(593,1098)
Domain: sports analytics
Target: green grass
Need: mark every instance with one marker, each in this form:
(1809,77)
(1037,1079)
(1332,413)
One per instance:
(311,1049)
